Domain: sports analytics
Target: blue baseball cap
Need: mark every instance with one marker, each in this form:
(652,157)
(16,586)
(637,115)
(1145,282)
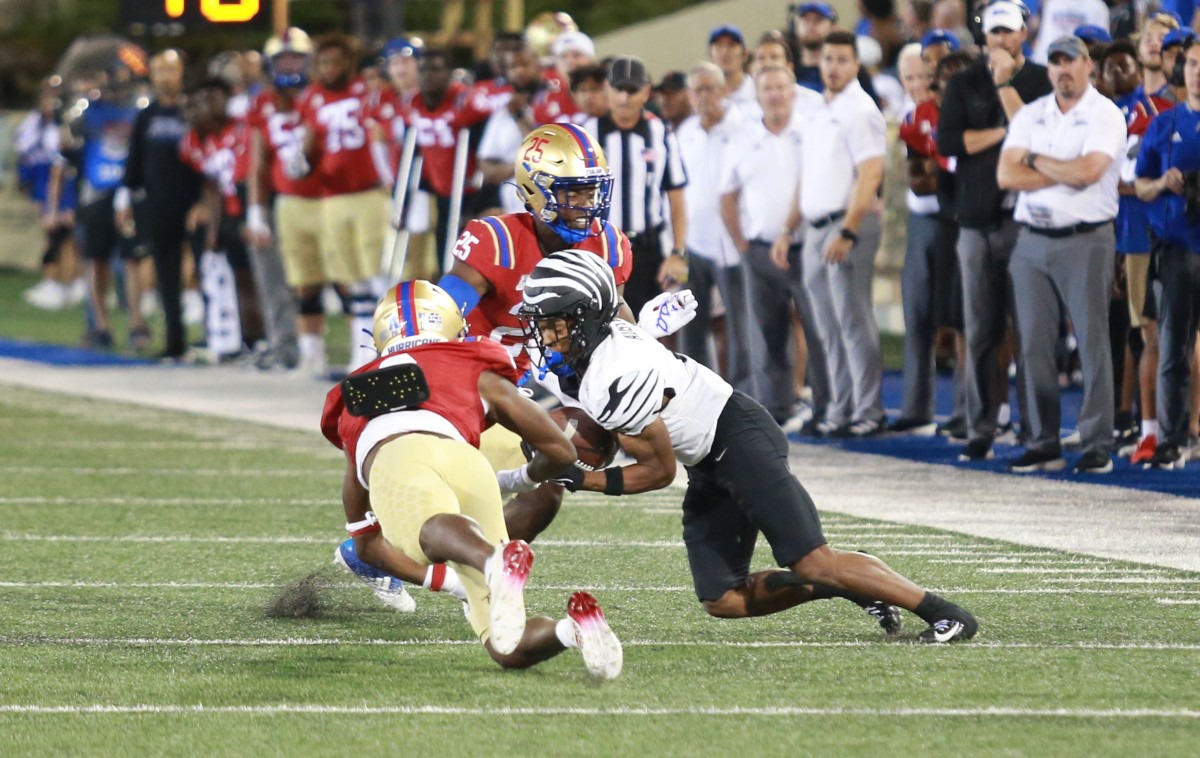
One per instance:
(940,37)
(821,9)
(409,48)
(727,30)
(1091,34)
(1178,37)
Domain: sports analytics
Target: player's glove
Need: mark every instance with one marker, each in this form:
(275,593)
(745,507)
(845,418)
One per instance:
(296,166)
(667,313)
(571,477)
(516,480)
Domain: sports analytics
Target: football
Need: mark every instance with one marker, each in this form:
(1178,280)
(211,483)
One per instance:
(595,446)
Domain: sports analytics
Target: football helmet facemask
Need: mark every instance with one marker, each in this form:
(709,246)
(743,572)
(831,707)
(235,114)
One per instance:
(563,178)
(293,41)
(416,313)
(571,288)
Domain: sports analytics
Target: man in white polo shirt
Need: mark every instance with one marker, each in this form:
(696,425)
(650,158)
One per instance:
(1060,155)
(845,141)
(704,139)
(761,170)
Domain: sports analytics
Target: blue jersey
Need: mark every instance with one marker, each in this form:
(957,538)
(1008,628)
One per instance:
(1139,111)
(106,132)
(1172,141)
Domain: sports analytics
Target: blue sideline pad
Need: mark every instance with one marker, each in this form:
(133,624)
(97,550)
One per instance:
(59,355)
(941,451)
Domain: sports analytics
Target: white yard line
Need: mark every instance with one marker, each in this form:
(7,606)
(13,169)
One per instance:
(93,585)
(440,710)
(1175,601)
(57,471)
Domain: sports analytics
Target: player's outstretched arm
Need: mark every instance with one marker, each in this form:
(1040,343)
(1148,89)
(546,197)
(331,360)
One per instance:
(519,414)
(372,546)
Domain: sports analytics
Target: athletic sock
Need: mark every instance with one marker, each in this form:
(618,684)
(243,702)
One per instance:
(1149,427)
(933,607)
(565,631)
(825,592)
(1004,416)
(442,578)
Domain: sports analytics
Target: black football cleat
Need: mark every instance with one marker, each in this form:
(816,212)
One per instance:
(888,617)
(957,626)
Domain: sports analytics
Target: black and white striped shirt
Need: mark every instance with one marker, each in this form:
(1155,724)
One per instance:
(646,164)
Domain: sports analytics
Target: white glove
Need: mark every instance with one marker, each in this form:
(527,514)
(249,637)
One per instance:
(667,313)
(295,166)
(256,221)
(516,480)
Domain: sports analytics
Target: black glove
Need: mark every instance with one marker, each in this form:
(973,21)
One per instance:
(571,477)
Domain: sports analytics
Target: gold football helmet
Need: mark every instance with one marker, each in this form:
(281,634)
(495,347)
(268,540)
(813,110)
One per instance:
(561,167)
(293,40)
(415,313)
(293,73)
(545,28)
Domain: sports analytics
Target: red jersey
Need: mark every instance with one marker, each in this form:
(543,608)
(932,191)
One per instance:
(504,249)
(553,103)
(490,95)
(919,131)
(338,119)
(282,135)
(452,370)
(437,134)
(220,157)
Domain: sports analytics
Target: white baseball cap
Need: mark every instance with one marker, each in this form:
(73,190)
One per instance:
(1003,15)
(577,41)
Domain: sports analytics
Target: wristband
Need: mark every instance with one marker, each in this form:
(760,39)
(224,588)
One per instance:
(846,234)
(614,481)
(1029,160)
(680,252)
(366,526)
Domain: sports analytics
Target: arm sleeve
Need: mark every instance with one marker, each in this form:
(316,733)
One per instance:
(485,246)
(1019,134)
(731,180)
(330,416)
(867,136)
(952,120)
(496,359)
(1149,158)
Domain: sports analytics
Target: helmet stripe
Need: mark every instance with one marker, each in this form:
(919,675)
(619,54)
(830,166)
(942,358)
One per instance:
(584,140)
(503,239)
(407,309)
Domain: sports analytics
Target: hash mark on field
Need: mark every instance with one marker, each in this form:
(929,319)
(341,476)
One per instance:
(1175,601)
(438,710)
(1069,570)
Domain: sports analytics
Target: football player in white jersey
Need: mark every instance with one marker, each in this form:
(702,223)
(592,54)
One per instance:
(665,407)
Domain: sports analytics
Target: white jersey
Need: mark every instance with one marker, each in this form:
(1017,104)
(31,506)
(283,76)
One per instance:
(629,377)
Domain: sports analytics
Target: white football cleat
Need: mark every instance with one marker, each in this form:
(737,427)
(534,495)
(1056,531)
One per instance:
(507,572)
(602,653)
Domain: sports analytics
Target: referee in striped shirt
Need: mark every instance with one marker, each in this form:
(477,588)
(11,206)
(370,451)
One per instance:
(648,174)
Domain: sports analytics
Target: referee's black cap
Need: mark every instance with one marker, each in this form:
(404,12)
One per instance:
(628,71)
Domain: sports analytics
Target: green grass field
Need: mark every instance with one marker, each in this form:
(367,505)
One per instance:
(142,547)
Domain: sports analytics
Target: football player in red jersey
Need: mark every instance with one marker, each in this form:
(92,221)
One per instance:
(354,208)
(215,146)
(564,180)
(417,491)
(555,103)
(437,112)
(277,134)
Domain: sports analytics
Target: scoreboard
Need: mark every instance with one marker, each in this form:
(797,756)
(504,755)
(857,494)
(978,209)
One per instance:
(196,15)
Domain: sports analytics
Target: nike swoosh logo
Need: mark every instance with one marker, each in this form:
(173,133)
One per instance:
(721,455)
(949,634)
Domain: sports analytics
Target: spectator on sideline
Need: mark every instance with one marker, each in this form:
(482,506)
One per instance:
(1154,76)
(1061,156)
(672,97)
(705,140)
(555,101)
(841,173)
(727,49)
(758,211)
(507,127)
(647,175)
(1169,158)
(589,88)
(976,108)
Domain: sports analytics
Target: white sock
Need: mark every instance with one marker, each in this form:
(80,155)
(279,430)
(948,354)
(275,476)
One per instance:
(1005,414)
(565,631)
(311,345)
(1149,428)
(442,578)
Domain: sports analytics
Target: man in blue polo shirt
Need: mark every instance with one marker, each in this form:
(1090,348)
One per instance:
(1167,167)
